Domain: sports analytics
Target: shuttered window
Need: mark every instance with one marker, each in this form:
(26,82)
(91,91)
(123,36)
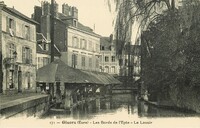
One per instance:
(74,60)
(11,48)
(27,55)
(90,62)
(27,32)
(11,26)
(83,61)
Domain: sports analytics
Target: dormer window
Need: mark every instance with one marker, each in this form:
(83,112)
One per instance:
(74,23)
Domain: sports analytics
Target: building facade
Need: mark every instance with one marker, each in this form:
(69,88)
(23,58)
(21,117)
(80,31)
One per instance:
(18,49)
(109,61)
(83,45)
(43,16)
(78,45)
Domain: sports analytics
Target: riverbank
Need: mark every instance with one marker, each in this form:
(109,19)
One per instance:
(33,104)
(169,107)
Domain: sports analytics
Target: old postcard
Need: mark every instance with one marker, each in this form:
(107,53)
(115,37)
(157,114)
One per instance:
(100,63)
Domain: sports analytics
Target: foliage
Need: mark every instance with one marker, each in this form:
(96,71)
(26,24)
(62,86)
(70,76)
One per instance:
(170,40)
(173,50)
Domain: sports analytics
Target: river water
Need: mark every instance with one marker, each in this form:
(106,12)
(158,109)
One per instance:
(117,106)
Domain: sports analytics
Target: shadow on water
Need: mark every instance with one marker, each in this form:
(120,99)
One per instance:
(126,103)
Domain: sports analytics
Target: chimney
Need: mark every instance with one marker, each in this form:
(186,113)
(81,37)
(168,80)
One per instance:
(66,9)
(111,38)
(2,4)
(75,13)
(55,9)
(46,8)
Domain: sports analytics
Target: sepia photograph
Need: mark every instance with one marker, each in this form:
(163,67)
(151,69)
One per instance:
(100,63)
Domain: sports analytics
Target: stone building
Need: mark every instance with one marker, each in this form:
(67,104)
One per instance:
(18,50)
(43,16)
(78,45)
(109,61)
(83,45)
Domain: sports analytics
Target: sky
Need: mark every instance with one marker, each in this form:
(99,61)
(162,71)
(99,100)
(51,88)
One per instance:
(91,13)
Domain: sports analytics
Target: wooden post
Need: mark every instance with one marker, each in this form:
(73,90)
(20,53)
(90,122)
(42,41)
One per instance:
(67,97)
(58,94)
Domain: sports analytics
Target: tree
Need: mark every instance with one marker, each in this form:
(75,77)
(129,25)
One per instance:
(141,11)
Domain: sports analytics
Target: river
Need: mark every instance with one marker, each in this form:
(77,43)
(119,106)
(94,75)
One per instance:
(118,106)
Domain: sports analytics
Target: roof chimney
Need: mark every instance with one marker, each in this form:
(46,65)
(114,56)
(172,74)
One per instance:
(111,38)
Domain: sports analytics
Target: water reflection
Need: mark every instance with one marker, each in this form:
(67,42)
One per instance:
(125,104)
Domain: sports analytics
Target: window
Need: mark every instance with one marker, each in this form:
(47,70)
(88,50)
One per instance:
(28,76)
(83,61)
(106,59)
(126,62)
(97,62)
(11,81)
(83,44)
(75,23)
(45,46)
(120,62)
(101,69)
(113,58)
(40,60)
(112,69)
(90,62)
(26,55)
(11,27)
(90,47)
(102,47)
(100,58)
(110,47)
(27,32)
(106,69)
(11,49)
(74,60)
(46,61)
(97,47)
(75,42)
(11,23)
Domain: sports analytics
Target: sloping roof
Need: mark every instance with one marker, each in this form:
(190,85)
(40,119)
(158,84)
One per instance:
(59,71)
(80,26)
(102,78)
(105,41)
(85,28)
(16,12)
(95,78)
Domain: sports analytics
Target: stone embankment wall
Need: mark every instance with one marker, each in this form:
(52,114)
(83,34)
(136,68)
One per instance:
(31,106)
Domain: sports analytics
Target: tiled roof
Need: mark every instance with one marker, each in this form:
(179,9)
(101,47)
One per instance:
(59,71)
(105,41)
(16,12)
(80,26)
